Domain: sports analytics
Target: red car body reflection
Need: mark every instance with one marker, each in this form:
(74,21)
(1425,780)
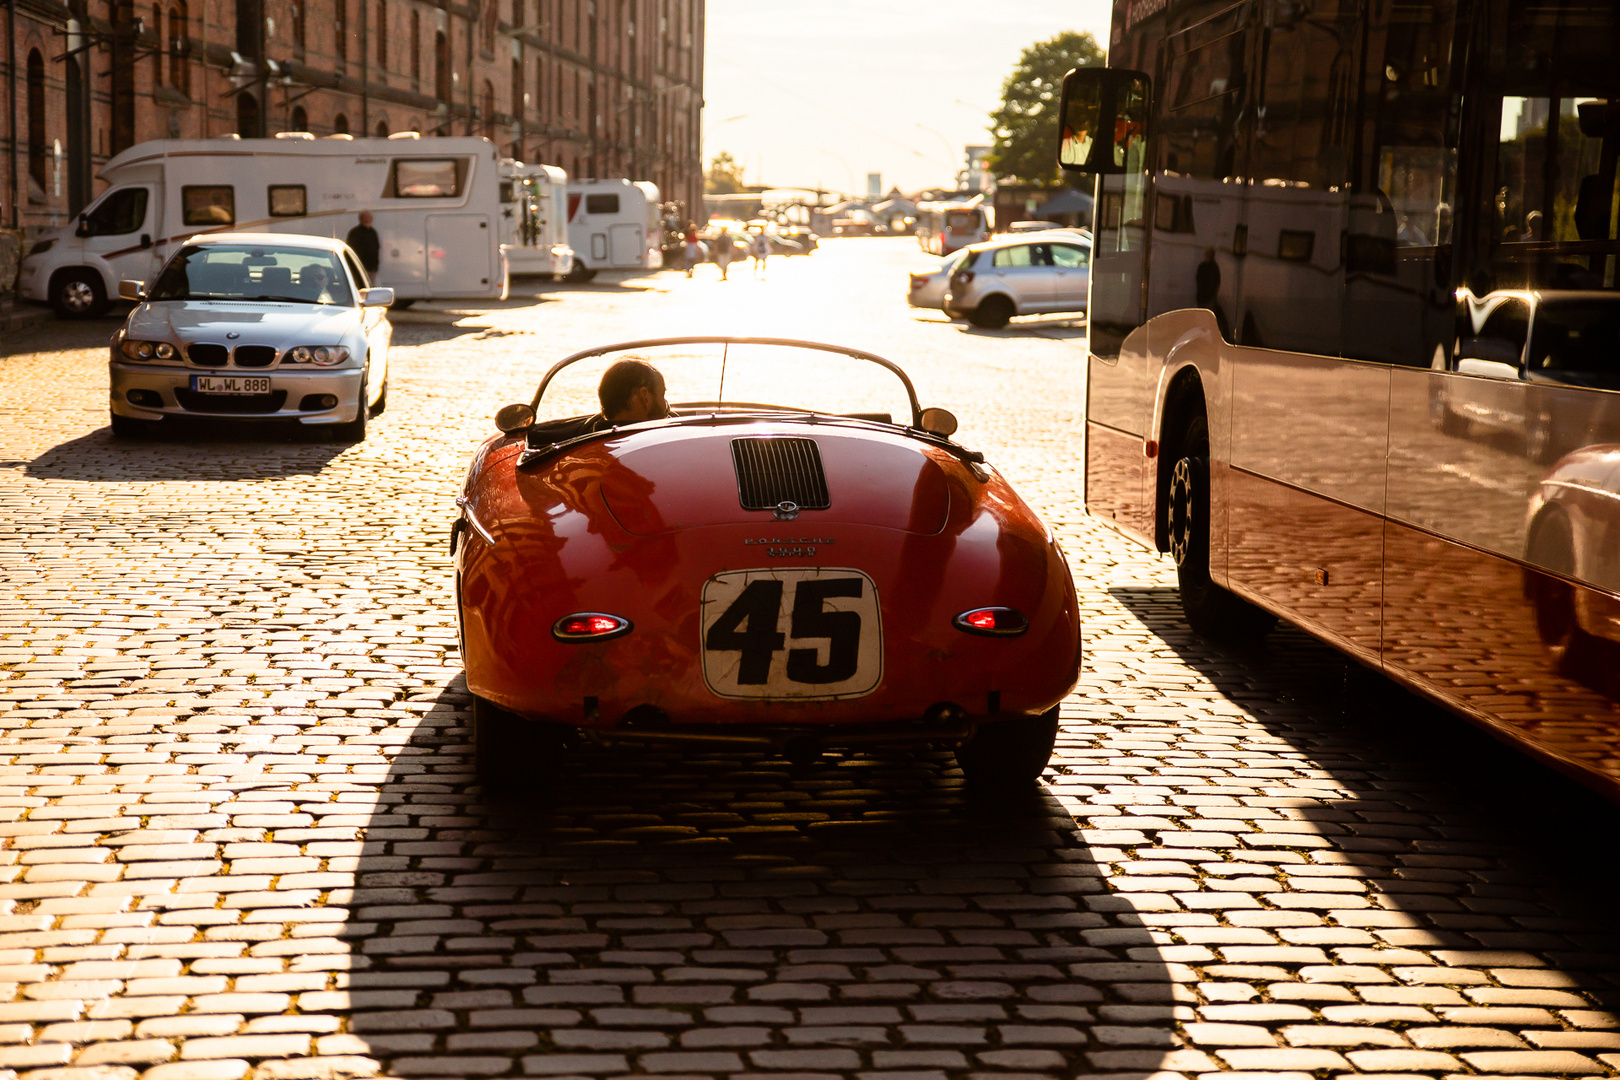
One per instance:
(791,628)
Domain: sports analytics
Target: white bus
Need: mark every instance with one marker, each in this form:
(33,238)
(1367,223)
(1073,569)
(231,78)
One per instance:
(944,227)
(534,219)
(614,225)
(435,205)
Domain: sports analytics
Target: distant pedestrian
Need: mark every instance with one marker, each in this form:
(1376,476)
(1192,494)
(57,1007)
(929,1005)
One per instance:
(722,251)
(366,244)
(760,248)
(692,252)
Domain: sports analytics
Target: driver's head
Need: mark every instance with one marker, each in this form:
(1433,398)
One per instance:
(315,275)
(632,391)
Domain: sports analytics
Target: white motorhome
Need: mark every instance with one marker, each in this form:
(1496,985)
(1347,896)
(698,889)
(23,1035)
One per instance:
(534,219)
(435,204)
(614,225)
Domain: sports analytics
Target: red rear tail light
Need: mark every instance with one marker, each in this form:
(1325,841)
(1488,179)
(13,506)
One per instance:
(589,626)
(992,622)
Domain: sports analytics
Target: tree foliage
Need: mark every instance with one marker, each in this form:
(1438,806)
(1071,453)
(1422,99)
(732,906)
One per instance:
(725,176)
(1026,125)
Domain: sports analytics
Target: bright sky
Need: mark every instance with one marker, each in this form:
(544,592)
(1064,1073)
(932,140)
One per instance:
(831,91)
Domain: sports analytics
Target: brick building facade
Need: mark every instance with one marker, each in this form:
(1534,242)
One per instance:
(602,88)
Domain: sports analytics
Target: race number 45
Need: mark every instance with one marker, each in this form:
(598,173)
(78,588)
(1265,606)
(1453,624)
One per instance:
(803,633)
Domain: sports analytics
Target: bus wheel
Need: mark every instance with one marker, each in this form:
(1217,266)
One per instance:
(78,294)
(1211,611)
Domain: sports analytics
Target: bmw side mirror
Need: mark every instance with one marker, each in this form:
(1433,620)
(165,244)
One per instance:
(132,290)
(376,297)
(941,422)
(514,418)
(1104,120)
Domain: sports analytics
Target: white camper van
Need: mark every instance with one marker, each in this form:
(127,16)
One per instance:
(614,225)
(435,205)
(534,219)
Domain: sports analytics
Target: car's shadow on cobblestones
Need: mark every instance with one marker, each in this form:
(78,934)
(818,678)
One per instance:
(1423,789)
(714,914)
(194,450)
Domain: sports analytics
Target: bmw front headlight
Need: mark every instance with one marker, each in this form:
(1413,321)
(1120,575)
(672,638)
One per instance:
(148,350)
(322,355)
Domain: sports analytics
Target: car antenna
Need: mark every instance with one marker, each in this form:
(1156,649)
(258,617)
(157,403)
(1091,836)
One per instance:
(725,350)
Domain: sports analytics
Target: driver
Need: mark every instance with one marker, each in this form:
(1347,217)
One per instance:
(631,391)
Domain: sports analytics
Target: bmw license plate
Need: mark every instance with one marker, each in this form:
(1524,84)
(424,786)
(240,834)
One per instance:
(230,384)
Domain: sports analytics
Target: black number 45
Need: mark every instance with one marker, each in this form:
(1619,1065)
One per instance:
(748,626)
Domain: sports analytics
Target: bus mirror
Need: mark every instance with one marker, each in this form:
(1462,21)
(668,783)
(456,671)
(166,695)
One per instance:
(1104,120)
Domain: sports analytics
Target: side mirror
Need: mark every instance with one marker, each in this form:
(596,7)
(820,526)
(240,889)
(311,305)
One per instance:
(1104,115)
(941,422)
(84,226)
(132,290)
(376,297)
(514,418)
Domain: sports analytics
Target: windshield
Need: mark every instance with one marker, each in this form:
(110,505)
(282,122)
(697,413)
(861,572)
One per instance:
(709,375)
(254,272)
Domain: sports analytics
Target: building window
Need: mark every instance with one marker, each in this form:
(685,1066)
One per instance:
(299,25)
(517,89)
(381,31)
(247,115)
(340,124)
(300,119)
(382,129)
(540,88)
(157,54)
(36,125)
(340,46)
(517,14)
(487,106)
(179,48)
(441,67)
(416,49)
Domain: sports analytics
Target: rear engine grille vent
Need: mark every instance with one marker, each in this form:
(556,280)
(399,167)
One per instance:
(212,355)
(773,471)
(255,355)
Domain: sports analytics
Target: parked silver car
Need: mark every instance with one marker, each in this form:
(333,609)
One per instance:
(928,288)
(1030,274)
(253,326)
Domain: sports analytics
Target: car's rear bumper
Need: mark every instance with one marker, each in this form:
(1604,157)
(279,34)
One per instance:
(294,394)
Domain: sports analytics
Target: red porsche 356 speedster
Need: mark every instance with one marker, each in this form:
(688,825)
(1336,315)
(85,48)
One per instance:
(831,573)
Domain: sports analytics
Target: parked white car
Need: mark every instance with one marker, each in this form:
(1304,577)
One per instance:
(928,287)
(1026,274)
(256,327)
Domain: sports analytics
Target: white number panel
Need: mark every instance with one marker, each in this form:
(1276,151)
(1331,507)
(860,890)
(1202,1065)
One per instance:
(791,634)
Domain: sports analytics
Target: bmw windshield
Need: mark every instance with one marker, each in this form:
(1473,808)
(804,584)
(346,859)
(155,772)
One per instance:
(254,272)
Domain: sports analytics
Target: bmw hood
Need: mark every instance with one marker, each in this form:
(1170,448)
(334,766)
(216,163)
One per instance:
(258,323)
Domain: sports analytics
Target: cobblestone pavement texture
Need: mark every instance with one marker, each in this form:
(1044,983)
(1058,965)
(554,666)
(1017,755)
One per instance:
(242,838)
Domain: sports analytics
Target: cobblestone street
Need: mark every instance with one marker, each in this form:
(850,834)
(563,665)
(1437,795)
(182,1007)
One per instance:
(242,836)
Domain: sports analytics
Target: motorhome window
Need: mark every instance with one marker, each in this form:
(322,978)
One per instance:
(211,205)
(426,178)
(601,204)
(122,211)
(288,200)
(960,221)
(508,191)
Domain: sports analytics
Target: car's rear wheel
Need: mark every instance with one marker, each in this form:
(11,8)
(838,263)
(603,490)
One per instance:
(511,754)
(993,313)
(78,294)
(1009,753)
